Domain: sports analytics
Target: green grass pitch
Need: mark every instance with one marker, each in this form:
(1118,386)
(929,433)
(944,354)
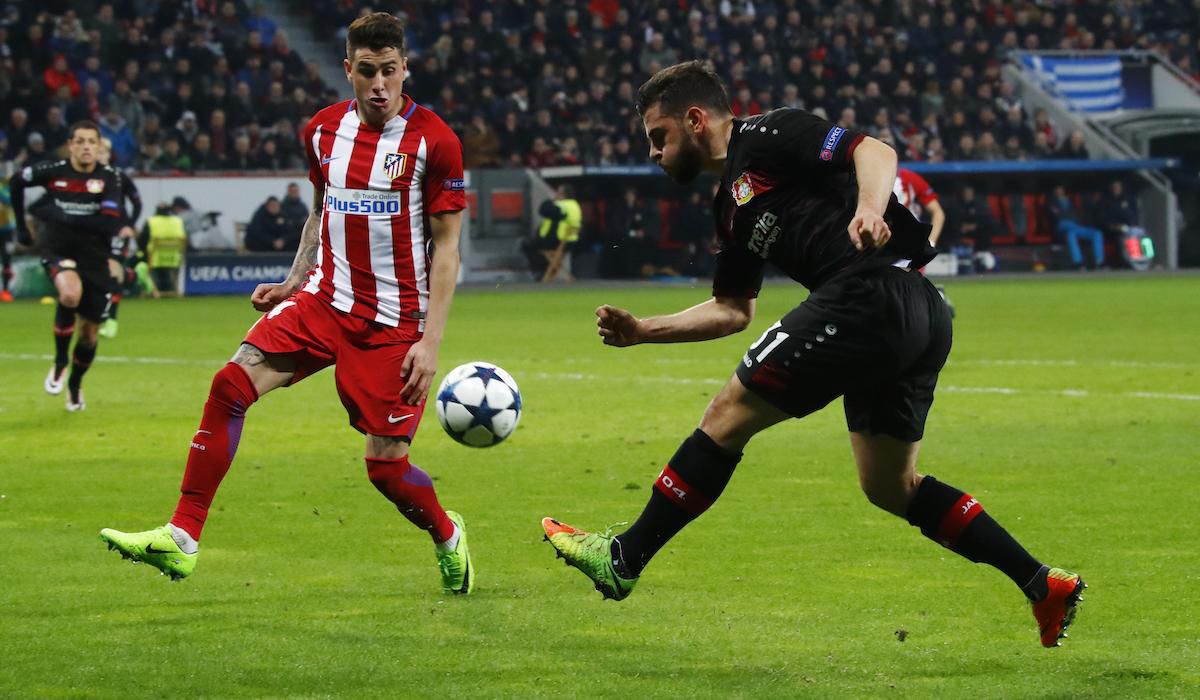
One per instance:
(1071,409)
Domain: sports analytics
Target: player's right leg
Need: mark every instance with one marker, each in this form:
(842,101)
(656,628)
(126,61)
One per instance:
(173,547)
(689,484)
(69,286)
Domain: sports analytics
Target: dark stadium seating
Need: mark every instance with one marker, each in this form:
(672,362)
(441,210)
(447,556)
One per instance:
(541,82)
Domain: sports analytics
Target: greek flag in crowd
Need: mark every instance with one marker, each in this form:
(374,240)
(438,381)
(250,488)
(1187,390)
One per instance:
(1085,84)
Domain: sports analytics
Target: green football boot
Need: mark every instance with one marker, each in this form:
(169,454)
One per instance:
(144,281)
(108,329)
(458,575)
(155,547)
(590,552)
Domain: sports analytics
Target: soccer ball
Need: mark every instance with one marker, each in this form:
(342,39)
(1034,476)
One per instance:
(478,404)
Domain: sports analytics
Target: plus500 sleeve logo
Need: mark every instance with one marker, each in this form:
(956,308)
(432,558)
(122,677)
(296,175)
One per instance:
(367,206)
(831,141)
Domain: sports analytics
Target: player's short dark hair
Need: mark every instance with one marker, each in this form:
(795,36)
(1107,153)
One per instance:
(376,31)
(681,86)
(83,124)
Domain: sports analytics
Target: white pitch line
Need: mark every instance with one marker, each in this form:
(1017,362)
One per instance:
(1129,364)
(116,359)
(1121,364)
(681,381)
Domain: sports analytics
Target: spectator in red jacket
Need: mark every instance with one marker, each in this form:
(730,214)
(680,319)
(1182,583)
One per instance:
(59,74)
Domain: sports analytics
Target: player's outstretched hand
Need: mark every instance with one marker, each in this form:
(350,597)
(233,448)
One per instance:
(617,327)
(868,230)
(268,296)
(420,364)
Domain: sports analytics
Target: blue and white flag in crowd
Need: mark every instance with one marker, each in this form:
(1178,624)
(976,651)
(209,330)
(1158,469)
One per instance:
(1085,84)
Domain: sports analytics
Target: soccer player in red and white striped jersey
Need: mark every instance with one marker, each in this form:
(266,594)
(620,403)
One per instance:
(917,196)
(369,291)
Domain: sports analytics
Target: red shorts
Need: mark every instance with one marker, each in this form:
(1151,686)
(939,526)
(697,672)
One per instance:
(368,357)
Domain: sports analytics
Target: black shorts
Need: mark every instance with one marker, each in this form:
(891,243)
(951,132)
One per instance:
(879,339)
(97,284)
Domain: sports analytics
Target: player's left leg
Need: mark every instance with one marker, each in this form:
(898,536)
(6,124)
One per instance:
(411,490)
(886,420)
(81,360)
(369,380)
(117,272)
(93,305)
(887,471)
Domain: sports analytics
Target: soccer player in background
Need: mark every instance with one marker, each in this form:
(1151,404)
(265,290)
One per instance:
(7,226)
(82,214)
(915,194)
(364,293)
(122,263)
(815,200)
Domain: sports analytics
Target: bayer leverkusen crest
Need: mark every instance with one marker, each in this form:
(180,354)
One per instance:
(393,164)
(743,189)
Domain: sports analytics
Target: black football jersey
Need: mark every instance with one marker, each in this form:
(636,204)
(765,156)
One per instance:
(86,208)
(787,196)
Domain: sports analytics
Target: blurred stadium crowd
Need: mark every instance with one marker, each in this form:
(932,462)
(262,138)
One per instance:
(211,85)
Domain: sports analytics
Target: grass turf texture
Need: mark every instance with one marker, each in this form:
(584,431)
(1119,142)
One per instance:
(311,585)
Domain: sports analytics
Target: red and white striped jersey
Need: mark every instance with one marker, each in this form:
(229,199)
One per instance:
(381,185)
(913,193)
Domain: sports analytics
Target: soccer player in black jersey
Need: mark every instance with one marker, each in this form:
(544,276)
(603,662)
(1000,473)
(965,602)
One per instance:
(123,256)
(815,200)
(81,212)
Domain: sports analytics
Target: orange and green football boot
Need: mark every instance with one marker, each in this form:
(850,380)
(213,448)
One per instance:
(1056,611)
(590,552)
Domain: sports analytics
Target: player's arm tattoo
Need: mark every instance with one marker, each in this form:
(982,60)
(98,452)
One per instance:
(310,238)
(249,356)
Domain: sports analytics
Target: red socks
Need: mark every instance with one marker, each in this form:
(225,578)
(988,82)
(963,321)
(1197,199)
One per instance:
(213,446)
(216,442)
(411,489)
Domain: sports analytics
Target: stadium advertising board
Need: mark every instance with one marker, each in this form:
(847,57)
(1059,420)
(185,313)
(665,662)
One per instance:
(233,274)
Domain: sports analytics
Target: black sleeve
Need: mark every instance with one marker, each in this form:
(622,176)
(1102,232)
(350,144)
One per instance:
(549,210)
(29,176)
(16,189)
(738,274)
(131,193)
(805,139)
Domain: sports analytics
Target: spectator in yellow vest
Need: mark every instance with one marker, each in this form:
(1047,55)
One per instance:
(562,218)
(165,241)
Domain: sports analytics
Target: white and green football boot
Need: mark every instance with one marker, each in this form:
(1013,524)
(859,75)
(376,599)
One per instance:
(591,553)
(155,547)
(458,574)
(108,329)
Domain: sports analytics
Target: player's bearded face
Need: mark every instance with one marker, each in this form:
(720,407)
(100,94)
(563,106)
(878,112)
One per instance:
(687,160)
(377,77)
(675,148)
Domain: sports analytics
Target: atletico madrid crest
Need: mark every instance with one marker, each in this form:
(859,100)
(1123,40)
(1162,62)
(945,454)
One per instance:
(393,164)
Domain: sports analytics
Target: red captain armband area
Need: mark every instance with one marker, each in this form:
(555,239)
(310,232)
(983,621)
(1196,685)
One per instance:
(957,519)
(853,145)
